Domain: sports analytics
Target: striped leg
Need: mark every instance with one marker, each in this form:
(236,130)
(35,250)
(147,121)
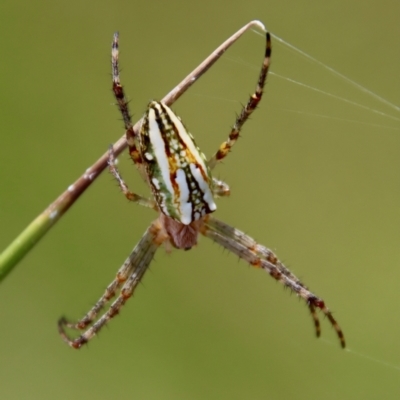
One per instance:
(136,198)
(129,275)
(220,188)
(246,111)
(259,256)
(122,103)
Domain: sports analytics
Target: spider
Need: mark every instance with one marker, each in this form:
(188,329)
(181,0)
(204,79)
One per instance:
(183,189)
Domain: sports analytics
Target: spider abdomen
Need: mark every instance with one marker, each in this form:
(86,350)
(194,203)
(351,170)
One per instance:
(177,170)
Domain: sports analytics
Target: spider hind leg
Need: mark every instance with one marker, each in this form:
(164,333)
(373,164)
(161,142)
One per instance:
(247,110)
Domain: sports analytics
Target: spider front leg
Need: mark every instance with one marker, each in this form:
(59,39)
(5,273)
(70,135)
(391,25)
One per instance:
(129,275)
(247,110)
(136,198)
(259,256)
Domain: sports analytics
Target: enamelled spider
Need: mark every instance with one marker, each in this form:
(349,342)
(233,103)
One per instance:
(183,196)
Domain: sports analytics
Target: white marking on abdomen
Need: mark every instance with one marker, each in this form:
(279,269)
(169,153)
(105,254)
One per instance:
(204,186)
(185,206)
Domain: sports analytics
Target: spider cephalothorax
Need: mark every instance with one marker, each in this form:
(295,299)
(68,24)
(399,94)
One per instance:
(183,195)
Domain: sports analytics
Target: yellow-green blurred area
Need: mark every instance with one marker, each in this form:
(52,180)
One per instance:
(313,177)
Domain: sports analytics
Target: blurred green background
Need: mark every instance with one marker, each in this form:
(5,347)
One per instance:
(312,177)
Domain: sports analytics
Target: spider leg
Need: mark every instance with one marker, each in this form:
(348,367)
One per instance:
(136,198)
(259,256)
(129,275)
(315,318)
(247,110)
(220,188)
(122,103)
